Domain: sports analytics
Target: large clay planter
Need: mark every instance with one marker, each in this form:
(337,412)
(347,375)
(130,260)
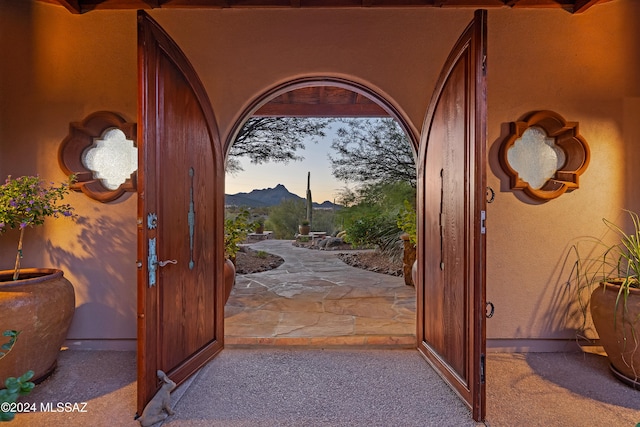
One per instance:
(40,305)
(304,230)
(229,278)
(414,272)
(620,337)
(408,259)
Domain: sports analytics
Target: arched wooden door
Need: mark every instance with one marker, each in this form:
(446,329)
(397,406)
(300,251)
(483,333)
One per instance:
(180,216)
(451,211)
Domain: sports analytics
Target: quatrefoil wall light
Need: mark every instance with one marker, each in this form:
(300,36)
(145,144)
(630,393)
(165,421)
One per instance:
(101,151)
(544,155)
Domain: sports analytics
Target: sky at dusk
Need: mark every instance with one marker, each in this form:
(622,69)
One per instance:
(292,175)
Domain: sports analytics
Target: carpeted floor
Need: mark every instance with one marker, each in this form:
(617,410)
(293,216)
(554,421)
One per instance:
(293,387)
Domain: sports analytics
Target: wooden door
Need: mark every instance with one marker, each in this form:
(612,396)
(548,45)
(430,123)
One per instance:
(180,216)
(451,233)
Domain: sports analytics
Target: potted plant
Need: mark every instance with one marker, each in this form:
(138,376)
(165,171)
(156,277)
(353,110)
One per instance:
(236,230)
(610,280)
(39,302)
(259,225)
(407,223)
(304,228)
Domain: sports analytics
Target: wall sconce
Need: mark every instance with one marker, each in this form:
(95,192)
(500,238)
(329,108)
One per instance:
(101,151)
(544,156)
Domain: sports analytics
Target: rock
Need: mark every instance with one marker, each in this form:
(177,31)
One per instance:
(333,242)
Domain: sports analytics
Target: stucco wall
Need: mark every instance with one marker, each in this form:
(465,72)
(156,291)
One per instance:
(64,67)
(58,68)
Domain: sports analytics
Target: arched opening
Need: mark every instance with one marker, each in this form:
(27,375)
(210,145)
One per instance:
(311,311)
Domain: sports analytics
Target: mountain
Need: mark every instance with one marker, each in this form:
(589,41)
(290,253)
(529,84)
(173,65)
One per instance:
(269,197)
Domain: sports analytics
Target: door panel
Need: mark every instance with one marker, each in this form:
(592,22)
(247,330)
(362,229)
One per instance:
(180,188)
(451,196)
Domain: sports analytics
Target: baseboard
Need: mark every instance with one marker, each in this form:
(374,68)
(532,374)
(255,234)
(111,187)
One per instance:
(532,345)
(97,344)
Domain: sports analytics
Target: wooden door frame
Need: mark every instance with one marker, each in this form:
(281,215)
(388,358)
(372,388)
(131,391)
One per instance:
(383,101)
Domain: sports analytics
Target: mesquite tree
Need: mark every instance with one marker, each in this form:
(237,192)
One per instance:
(274,139)
(370,151)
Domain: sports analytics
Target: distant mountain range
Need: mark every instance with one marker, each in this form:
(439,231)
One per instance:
(269,197)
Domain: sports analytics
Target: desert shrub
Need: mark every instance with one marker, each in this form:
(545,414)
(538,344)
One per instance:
(374,221)
(324,220)
(284,218)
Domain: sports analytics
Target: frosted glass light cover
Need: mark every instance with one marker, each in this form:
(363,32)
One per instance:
(535,157)
(544,155)
(112,159)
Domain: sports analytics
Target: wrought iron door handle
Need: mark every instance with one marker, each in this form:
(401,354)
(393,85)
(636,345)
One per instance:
(168,261)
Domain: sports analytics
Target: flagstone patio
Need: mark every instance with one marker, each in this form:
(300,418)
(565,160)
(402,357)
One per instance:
(314,299)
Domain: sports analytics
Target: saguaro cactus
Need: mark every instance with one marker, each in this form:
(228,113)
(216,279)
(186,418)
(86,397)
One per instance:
(309,201)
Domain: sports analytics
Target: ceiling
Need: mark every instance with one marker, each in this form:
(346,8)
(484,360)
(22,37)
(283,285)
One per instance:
(83,6)
(320,101)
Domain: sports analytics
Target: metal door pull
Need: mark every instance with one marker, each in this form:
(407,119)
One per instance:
(169,261)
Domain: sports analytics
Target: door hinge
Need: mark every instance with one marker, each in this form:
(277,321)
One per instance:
(482,368)
(483,222)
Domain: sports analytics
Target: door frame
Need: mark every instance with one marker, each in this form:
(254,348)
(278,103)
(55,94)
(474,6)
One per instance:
(382,100)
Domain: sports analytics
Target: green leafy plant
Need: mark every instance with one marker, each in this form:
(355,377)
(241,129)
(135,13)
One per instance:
(236,230)
(259,225)
(261,254)
(6,347)
(14,387)
(407,221)
(26,202)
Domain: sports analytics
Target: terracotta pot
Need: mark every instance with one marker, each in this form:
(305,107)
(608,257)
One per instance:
(408,259)
(620,337)
(40,305)
(414,272)
(229,278)
(304,230)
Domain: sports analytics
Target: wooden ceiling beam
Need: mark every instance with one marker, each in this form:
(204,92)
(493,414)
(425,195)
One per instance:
(72,6)
(83,6)
(582,5)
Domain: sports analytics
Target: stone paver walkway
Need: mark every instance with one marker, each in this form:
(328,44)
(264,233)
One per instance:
(314,299)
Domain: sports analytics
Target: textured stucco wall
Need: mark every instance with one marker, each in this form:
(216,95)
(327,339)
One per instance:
(66,66)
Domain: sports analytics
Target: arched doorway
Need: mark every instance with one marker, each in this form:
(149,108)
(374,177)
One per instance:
(376,309)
